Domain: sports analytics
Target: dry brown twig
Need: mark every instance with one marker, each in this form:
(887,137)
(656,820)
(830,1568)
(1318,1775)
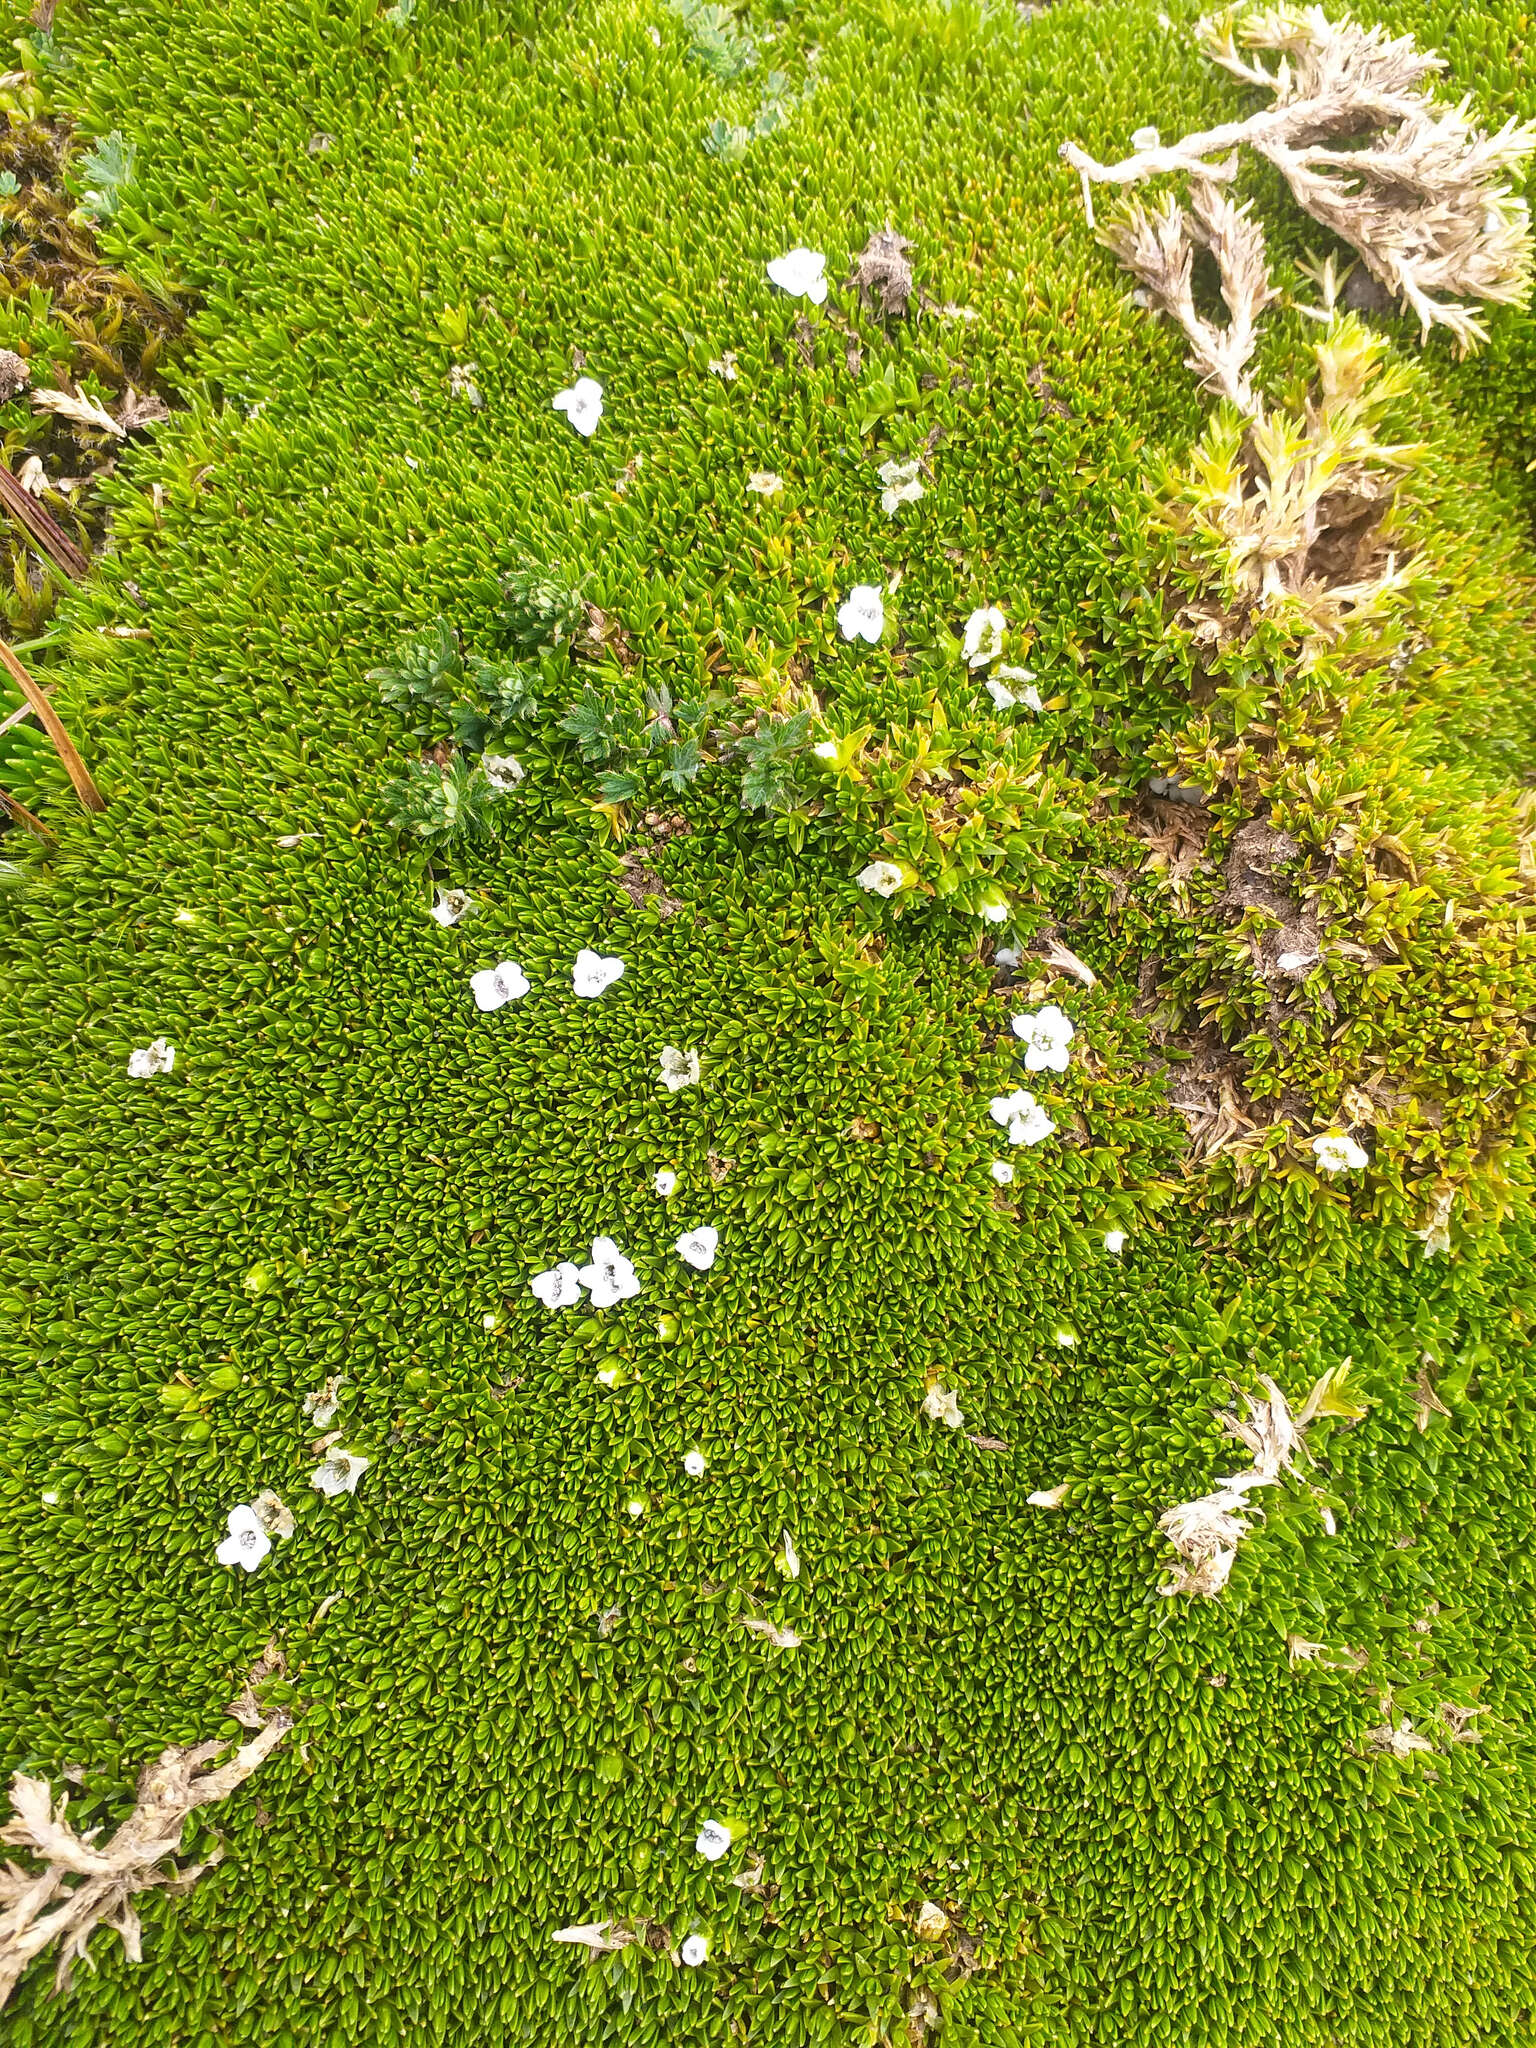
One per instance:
(84,1884)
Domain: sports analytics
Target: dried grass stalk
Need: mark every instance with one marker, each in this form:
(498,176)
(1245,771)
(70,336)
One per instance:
(1367,150)
(83,1884)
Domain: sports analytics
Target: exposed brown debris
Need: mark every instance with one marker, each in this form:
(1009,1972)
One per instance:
(642,885)
(882,272)
(1174,834)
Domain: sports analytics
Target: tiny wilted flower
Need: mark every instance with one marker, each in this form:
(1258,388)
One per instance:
(339,1473)
(931,1922)
(665,1182)
(788,1559)
(1436,1229)
(502,771)
(713,1839)
(697,1248)
(1021,1116)
(1399,1741)
(725,366)
(881,877)
(694,1464)
(1002,1172)
(593,1935)
(582,405)
(861,615)
(1046,1034)
(461,384)
(450,905)
(247,1542)
(781,1638)
(273,1516)
(1336,1153)
(155,1058)
(559,1287)
(1114,1241)
(503,983)
(695,1950)
(984,631)
(320,1406)
(1048,1497)
(942,1404)
(679,1069)
(610,1278)
(592,973)
(802,274)
(903,483)
(765,483)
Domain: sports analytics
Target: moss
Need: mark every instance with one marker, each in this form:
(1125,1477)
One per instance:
(1144,1825)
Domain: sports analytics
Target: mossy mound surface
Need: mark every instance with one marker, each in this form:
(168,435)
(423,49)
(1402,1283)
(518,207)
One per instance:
(1146,1820)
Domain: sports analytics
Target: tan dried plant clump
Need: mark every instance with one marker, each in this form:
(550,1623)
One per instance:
(1405,179)
(83,1884)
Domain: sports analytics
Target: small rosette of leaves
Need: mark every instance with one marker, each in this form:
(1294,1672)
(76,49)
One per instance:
(641,751)
(439,803)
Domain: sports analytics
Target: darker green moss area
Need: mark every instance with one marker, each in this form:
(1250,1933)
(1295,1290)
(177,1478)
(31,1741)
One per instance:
(1148,1821)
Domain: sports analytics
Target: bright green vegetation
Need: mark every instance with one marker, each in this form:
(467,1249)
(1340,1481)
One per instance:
(1149,1826)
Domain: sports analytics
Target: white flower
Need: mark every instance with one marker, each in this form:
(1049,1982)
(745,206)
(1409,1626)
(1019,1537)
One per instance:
(50,1498)
(1067,1339)
(247,1542)
(608,1376)
(695,1950)
(1007,956)
(321,1405)
(861,615)
(559,1287)
(696,1248)
(634,1509)
(450,905)
(1047,1497)
(1005,699)
(694,1464)
(712,1841)
(788,1559)
(592,973)
(610,1278)
(1046,1035)
(339,1474)
(1002,1172)
(942,1404)
(994,907)
(984,631)
(764,482)
(665,1182)
(903,484)
(825,750)
(502,771)
(1146,138)
(503,983)
(802,273)
(679,1069)
(492,1323)
(155,1058)
(582,405)
(1021,1116)
(725,366)
(881,877)
(1337,1154)
(1114,1241)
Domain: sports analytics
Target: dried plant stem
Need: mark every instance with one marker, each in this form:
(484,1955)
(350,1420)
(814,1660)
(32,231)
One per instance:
(41,528)
(37,697)
(23,817)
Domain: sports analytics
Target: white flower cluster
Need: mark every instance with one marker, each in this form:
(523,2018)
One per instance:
(507,983)
(609,1277)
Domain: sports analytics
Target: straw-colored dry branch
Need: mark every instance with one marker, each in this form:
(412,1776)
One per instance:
(83,1884)
(1367,150)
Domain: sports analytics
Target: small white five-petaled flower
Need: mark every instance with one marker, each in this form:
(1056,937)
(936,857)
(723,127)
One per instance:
(1114,1242)
(502,771)
(881,878)
(1335,1153)
(903,484)
(1002,1172)
(1004,698)
(697,1248)
(765,482)
(339,1474)
(247,1542)
(503,983)
(679,1069)
(861,615)
(449,906)
(610,1278)
(942,1404)
(984,631)
(665,1182)
(1046,1034)
(559,1287)
(695,1950)
(1021,1117)
(994,907)
(582,405)
(592,973)
(694,1464)
(802,274)
(155,1058)
(712,1840)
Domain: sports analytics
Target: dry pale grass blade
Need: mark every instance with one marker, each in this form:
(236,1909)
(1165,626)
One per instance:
(79,411)
(51,723)
(82,1884)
